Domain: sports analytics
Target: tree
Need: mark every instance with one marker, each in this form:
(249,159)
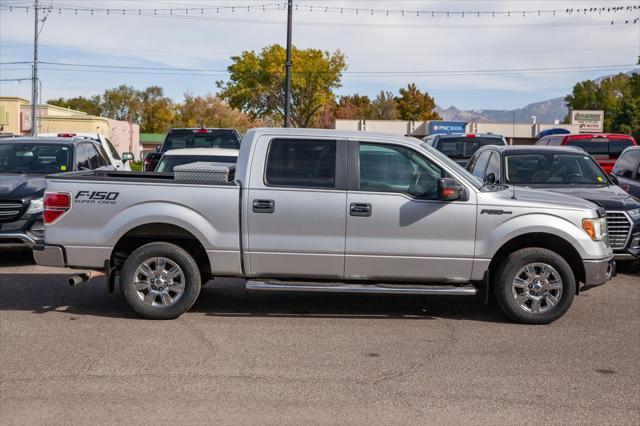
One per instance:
(355,107)
(89,105)
(618,96)
(256,83)
(210,111)
(156,112)
(384,107)
(416,105)
(122,103)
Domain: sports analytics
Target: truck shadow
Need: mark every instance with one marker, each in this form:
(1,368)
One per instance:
(46,293)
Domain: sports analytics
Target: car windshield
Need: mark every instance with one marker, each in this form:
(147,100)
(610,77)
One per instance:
(461,148)
(36,158)
(452,164)
(201,138)
(553,169)
(167,163)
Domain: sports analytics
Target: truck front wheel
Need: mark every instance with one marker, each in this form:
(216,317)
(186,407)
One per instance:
(160,281)
(534,286)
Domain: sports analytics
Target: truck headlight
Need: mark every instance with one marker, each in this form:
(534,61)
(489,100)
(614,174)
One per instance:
(595,228)
(35,206)
(635,214)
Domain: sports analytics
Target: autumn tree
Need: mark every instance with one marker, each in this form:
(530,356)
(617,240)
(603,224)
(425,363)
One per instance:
(156,110)
(416,105)
(210,111)
(91,106)
(384,107)
(355,107)
(122,103)
(256,83)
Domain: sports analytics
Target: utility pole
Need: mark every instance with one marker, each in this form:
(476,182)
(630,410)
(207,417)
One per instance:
(287,88)
(34,82)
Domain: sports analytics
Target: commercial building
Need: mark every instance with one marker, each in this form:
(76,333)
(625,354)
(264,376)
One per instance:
(515,133)
(15,119)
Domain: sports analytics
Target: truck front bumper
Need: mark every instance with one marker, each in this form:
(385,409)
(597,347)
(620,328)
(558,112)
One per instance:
(49,256)
(599,271)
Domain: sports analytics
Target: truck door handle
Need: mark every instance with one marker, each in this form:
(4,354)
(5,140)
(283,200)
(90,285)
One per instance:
(263,206)
(360,209)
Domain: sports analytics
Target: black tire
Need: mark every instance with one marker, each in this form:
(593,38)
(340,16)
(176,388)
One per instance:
(506,274)
(192,280)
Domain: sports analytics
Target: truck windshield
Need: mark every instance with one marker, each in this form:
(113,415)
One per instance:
(461,148)
(34,158)
(201,138)
(168,163)
(553,169)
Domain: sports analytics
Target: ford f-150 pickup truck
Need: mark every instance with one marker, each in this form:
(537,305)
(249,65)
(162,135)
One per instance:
(327,211)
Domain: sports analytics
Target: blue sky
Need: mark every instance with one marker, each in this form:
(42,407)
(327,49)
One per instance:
(403,49)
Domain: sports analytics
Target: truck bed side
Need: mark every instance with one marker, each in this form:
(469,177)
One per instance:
(93,226)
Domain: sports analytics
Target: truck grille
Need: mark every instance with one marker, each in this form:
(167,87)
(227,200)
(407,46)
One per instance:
(9,210)
(618,227)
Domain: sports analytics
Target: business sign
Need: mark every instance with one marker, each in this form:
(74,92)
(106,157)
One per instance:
(588,121)
(446,127)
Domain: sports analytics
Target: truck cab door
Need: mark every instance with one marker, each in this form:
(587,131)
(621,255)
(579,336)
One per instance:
(295,209)
(397,228)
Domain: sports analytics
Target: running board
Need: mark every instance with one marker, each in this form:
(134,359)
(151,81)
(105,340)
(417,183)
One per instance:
(437,290)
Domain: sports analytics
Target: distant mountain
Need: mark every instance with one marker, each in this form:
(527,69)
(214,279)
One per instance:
(545,111)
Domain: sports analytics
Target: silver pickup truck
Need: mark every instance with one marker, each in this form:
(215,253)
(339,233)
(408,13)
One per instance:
(327,211)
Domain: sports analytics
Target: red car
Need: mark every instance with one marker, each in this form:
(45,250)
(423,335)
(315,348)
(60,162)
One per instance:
(605,148)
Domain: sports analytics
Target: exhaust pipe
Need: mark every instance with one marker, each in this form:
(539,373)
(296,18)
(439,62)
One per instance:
(85,276)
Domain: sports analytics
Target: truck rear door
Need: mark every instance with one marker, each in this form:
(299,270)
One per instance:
(296,211)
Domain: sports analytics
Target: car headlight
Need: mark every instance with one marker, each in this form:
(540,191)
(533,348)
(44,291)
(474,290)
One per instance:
(634,214)
(595,228)
(35,206)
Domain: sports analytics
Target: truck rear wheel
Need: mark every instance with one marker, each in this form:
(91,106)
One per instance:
(534,286)
(160,281)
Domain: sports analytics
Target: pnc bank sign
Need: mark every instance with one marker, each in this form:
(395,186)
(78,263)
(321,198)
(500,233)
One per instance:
(446,127)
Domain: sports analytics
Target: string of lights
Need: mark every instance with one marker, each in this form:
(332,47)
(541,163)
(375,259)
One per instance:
(323,9)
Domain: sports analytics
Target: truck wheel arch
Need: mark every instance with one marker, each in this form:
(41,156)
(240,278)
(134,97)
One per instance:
(544,240)
(161,232)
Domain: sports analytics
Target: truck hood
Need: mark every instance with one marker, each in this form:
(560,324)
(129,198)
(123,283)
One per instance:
(538,198)
(20,186)
(612,198)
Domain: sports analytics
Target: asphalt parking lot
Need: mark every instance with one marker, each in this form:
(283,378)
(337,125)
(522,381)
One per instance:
(79,356)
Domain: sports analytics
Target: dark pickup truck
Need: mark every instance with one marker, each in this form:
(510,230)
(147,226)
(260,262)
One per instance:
(193,138)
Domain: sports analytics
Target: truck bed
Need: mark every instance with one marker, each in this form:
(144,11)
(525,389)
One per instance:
(141,177)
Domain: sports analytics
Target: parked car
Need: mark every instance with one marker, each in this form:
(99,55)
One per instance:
(24,162)
(604,147)
(627,171)
(570,171)
(300,217)
(460,147)
(119,162)
(193,138)
(178,157)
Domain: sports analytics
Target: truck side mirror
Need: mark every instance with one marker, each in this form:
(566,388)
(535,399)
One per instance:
(127,156)
(449,190)
(490,178)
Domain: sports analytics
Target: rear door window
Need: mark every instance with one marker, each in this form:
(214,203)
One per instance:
(301,163)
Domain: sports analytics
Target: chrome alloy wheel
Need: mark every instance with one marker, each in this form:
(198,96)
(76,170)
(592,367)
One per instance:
(159,282)
(537,287)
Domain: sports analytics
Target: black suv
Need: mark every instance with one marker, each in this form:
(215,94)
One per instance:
(566,170)
(193,138)
(627,170)
(24,162)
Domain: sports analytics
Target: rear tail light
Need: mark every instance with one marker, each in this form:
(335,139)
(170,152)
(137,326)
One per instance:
(202,131)
(147,165)
(56,204)
(471,135)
